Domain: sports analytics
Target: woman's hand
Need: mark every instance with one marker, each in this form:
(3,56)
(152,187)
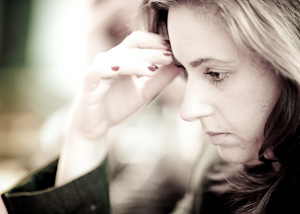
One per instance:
(118,83)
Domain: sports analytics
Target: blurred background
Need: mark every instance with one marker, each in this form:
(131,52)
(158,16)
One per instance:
(44,49)
(41,60)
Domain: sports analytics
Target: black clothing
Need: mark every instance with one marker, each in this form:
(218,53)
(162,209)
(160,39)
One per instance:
(36,194)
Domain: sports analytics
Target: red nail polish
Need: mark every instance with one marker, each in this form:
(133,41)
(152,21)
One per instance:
(166,43)
(153,67)
(168,53)
(115,68)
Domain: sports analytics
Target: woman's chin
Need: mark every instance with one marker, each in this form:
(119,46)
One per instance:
(235,155)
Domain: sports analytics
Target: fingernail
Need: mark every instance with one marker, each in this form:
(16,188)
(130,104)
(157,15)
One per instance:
(168,53)
(153,68)
(166,43)
(115,68)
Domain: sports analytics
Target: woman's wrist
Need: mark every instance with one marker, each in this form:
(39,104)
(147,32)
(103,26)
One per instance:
(78,157)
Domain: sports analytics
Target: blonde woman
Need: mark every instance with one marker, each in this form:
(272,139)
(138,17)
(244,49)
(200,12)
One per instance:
(241,59)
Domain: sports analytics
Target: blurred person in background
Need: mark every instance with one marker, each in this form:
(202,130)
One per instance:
(241,59)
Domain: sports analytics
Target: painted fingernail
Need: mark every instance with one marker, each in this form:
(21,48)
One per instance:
(153,67)
(168,53)
(166,43)
(115,68)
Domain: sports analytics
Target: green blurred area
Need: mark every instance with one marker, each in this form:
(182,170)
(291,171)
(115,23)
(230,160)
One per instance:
(25,102)
(14,28)
(14,24)
(19,125)
(30,89)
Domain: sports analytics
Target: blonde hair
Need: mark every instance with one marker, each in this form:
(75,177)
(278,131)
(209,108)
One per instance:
(268,30)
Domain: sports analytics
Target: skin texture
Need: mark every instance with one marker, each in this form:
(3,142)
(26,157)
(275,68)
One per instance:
(230,94)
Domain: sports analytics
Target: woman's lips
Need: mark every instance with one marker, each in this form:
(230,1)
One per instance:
(217,138)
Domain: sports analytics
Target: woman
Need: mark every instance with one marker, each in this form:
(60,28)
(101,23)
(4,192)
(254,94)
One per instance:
(241,59)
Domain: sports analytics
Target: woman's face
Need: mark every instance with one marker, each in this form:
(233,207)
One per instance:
(230,94)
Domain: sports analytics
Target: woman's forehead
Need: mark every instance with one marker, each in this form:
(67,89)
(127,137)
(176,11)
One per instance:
(192,36)
(185,20)
(210,15)
(201,12)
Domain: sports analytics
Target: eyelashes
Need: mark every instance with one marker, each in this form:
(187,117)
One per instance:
(216,77)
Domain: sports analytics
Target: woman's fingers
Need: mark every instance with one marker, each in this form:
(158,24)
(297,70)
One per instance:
(146,63)
(140,54)
(141,62)
(154,56)
(144,40)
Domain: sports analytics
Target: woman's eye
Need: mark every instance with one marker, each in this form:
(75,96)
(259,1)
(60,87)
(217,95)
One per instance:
(216,77)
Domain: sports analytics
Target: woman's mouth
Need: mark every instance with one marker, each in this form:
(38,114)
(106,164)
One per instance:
(217,138)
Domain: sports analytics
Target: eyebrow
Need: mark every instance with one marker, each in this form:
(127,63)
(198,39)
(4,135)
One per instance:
(200,61)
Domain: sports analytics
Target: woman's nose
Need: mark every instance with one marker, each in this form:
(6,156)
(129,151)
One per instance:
(195,105)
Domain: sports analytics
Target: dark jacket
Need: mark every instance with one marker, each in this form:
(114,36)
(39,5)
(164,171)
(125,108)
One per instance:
(36,194)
